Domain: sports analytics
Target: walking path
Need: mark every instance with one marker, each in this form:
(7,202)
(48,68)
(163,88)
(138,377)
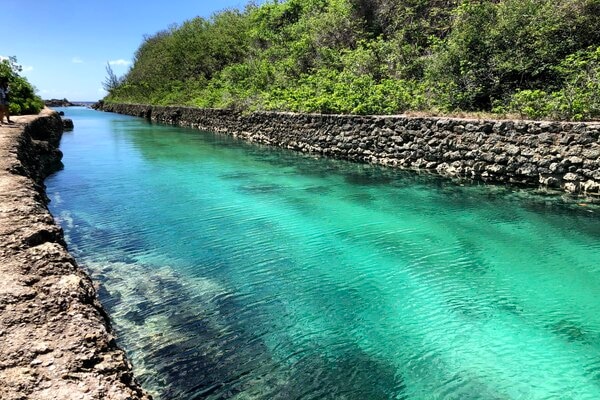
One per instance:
(55,340)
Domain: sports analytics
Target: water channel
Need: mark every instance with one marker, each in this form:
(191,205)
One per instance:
(237,271)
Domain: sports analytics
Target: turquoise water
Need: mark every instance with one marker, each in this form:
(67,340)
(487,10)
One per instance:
(237,271)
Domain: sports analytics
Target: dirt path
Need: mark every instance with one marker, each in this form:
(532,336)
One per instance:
(55,341)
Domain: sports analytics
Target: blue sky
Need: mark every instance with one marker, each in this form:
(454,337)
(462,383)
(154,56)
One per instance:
(64,45)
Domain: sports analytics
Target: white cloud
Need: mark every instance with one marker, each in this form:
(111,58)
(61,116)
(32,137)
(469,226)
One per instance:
(120,61)
(77,60)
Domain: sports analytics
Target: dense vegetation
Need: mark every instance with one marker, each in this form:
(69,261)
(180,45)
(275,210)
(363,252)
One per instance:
(22,97)
(538,58)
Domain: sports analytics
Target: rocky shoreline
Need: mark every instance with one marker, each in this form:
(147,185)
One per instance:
(58,103)
(55,338)
(561,156)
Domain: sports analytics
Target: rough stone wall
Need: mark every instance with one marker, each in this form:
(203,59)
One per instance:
(55,338)
(559,155)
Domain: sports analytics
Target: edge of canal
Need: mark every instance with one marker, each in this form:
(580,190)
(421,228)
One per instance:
(548,155)
(56,341)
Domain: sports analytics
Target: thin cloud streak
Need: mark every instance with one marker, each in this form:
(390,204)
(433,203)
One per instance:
(120,62)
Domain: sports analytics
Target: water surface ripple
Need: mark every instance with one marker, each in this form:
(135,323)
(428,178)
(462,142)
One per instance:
(244,272)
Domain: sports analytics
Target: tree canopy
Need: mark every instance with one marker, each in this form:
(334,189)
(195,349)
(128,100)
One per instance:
(23,99)
(538,58)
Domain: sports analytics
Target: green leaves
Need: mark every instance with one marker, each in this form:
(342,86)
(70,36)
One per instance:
(23,99)
(329,91)
(532,57)
(579,95)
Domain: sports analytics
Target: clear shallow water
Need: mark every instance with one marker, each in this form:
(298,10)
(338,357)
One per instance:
(237,271)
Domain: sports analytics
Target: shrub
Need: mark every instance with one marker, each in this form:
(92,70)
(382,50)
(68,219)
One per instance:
(532,104)
(535,57)
(579,95)
(23,99)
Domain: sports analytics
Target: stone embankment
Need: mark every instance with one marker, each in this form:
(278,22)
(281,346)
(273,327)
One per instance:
(557,155)
(55,338)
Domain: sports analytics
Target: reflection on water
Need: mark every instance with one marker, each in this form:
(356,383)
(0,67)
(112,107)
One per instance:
(239,271)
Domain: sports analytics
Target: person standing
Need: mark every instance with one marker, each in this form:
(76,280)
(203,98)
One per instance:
(4,108)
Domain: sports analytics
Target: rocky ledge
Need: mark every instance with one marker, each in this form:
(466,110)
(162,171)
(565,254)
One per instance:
(55,339)
(551,155)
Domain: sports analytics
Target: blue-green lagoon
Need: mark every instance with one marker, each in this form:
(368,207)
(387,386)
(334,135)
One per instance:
(237,271)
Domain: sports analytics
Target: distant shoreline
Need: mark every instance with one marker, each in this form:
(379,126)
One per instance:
(67,103)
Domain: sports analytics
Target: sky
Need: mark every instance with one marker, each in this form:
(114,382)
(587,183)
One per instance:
(64,46)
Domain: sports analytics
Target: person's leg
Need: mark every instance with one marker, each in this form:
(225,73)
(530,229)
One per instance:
(7,113)
(2,112)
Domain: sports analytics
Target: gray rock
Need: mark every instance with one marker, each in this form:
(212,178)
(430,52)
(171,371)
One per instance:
(515,151)
(591,187)
(571,177)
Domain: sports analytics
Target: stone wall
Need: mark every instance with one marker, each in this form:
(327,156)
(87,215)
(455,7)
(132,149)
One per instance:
(560,155)
(55,338)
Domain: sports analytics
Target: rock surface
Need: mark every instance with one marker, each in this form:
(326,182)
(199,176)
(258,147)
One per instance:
(67,124)
(58,103)
(55,338)
(557,155)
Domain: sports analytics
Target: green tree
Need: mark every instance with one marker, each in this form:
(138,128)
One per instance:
(376,56)
(23,99)
(111,82)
